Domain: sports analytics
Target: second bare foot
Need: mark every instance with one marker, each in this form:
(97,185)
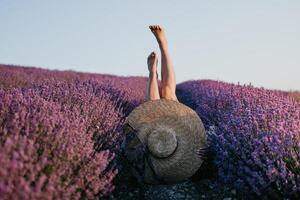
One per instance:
(152,63)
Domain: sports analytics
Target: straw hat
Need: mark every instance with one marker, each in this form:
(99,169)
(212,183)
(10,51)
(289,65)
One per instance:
(172,133)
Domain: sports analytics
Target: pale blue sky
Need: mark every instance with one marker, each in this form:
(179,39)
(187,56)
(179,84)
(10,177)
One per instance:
(234,41)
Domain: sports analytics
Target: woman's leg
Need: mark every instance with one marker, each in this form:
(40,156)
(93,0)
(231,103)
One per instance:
(167,70)
(152,86)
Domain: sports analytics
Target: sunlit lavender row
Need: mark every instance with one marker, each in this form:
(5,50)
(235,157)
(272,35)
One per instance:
(254,132)
(60,133)
(47,149)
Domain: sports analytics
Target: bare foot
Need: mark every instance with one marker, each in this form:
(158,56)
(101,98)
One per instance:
(159,33)
(152,63)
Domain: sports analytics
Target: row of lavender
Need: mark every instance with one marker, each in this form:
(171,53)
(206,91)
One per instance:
(255,134)
(61,131)
(56,128)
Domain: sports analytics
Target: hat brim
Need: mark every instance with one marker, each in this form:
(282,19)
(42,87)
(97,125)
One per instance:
(190,134)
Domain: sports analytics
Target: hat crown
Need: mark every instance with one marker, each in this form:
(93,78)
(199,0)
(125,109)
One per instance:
(162,141)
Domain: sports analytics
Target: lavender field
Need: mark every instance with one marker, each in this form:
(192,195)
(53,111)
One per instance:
(61,134)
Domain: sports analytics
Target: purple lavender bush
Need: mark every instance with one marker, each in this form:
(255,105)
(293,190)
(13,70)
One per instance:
(133,89)
(60,131)
(255,134)
(13,76)
(98,104)
(46,151)
(57,140)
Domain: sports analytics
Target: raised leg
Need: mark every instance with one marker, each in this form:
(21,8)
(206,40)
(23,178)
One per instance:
(152,86)
(167,70)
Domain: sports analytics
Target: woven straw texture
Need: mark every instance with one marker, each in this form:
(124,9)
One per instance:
(162,114)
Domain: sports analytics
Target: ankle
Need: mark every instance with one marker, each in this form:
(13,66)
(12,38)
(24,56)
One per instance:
(153,74)
(162,44)
(164,49)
